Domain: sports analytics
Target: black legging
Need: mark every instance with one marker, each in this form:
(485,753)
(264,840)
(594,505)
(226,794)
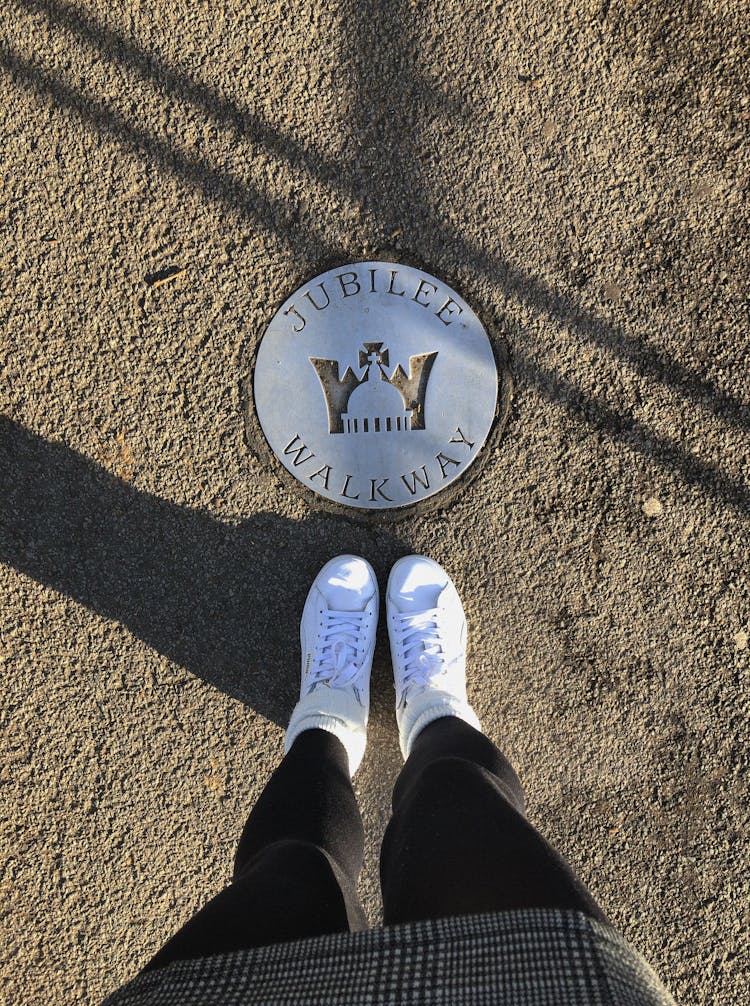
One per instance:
(458,842)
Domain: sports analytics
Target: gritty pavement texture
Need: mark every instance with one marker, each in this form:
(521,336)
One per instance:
(171,172)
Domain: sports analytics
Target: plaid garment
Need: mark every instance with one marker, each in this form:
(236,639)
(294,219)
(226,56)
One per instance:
(529,957)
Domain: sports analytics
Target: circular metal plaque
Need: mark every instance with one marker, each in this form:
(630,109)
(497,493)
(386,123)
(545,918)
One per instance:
(375,385)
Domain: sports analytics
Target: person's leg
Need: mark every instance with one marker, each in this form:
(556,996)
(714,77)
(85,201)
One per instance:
(458,841)
(297,863)
(301,850)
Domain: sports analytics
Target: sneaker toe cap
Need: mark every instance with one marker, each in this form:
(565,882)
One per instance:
(416,583)
(347,583)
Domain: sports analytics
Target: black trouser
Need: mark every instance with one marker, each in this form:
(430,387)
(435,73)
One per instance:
(458,842)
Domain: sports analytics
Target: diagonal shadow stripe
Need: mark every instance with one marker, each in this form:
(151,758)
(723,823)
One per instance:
(238,195)
(647,361)
(120,49)
(639,437)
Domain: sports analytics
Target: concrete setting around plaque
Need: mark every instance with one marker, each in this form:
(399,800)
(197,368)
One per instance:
(375,385)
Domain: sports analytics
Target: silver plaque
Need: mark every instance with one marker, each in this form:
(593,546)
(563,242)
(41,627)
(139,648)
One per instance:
(375,385)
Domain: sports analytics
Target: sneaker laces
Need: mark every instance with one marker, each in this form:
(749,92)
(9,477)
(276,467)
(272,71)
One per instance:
(340,644)
(421,650)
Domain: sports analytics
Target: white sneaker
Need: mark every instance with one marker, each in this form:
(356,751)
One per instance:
(337,633)
(427,630)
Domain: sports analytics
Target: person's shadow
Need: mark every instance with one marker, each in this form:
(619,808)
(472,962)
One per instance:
(221,600)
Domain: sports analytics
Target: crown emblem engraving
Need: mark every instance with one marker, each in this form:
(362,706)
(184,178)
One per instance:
(373,402)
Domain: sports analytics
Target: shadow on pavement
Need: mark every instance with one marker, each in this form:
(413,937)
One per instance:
(223,601)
